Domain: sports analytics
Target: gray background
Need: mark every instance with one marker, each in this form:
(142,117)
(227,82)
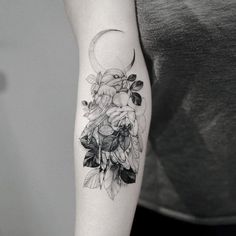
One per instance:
(38,85)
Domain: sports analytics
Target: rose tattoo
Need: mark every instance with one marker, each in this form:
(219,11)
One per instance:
(116,122)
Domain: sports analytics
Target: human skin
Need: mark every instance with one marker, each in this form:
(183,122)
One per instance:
(112,116)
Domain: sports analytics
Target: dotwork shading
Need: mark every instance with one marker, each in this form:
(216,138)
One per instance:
(112,137)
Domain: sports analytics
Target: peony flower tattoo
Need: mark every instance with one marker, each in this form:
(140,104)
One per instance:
(116,122)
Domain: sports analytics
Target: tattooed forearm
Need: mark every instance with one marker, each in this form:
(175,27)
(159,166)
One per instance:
(116,122)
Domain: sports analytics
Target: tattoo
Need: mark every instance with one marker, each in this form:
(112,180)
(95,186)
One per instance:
(116,122)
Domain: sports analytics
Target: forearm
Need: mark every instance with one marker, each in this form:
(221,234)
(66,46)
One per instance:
(112,118)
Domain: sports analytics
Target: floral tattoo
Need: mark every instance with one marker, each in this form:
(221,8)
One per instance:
(116,122)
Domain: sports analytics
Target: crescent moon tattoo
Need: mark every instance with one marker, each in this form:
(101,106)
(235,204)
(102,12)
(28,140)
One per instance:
(112,137)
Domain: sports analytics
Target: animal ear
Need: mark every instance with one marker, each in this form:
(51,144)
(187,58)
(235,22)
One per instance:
(99,78)
(91,79)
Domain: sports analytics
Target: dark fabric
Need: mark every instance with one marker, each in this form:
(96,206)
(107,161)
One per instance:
(190,51)
(155,224)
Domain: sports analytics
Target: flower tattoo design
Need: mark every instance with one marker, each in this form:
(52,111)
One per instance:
(112,137)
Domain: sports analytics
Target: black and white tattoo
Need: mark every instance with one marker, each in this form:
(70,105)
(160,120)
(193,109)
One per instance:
(116,122)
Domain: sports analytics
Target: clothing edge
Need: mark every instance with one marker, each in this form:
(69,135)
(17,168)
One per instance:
(185,217)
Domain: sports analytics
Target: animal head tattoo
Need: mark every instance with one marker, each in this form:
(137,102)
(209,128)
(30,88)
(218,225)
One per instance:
(116,123)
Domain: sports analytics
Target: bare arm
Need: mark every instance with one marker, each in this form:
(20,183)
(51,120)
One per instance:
(113,116)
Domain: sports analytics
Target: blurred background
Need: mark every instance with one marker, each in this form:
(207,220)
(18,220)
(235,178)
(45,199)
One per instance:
(38,85)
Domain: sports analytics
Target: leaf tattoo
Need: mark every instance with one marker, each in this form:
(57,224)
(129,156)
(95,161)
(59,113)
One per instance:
(113,134)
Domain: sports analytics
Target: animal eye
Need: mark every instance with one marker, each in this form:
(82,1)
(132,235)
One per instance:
(116,76)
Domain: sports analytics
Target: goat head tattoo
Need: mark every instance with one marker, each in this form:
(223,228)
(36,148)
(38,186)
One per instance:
(116,122)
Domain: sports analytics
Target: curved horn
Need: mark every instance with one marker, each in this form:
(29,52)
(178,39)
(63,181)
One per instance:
(93,60)
(127,68)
